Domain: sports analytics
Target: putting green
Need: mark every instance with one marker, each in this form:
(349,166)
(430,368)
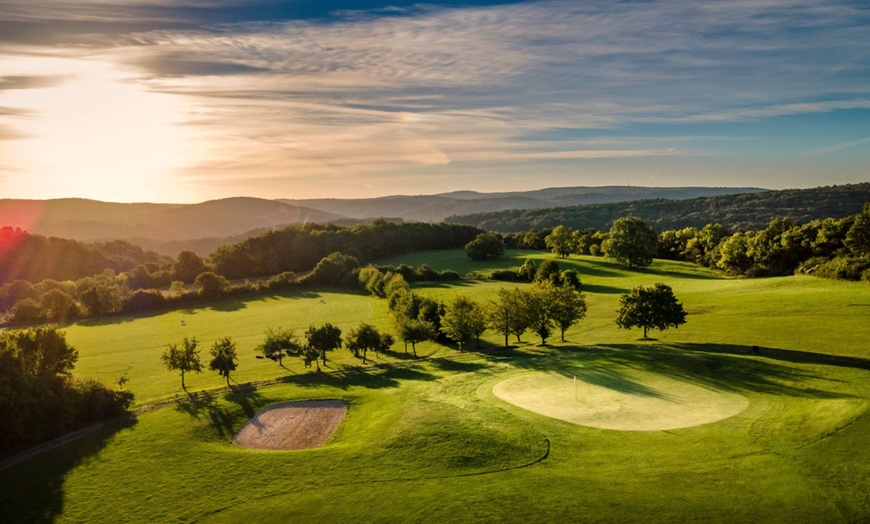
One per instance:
(621,399)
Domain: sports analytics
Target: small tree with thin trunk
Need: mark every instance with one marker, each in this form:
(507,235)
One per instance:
(279,341)
(463,319)
(224,359)
(568,307)
(365,337)
(184,359)
(324,338)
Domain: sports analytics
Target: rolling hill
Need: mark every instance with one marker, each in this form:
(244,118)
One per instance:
(748,211)
(88,220)
(433,208)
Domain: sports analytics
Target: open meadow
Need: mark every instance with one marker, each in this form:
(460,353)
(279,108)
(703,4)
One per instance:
(692,426)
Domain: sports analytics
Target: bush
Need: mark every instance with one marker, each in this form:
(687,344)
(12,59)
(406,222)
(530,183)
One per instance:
(145,300)
(505,275)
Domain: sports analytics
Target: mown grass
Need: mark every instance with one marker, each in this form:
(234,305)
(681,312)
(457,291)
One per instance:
(425,440)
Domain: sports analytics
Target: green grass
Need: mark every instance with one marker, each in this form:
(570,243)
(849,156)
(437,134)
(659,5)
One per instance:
(425,440)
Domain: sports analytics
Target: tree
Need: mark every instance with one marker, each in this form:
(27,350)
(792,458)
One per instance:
(561,241)
(548,270)
(365,337)
(211,284)
(184,359)
(568,307)
(324,338)
(485,246)
(224,359)
(463,319)
(508,315)
(528,270)
(539,300)
(279,341)
(653,307)
(188,266)
(858,237)
(631,242)
(414,330)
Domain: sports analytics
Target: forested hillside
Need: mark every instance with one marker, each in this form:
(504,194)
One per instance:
(737,212)
(434,208)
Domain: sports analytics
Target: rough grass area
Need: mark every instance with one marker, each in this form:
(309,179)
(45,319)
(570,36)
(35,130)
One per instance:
(428,439)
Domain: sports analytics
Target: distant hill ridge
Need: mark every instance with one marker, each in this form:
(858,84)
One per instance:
(88,220)
(433,208)
(747,212)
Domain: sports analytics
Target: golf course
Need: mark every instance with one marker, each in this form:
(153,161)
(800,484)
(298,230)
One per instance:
(754,410)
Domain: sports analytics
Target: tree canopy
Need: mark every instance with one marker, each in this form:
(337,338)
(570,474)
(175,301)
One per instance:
(653,307)
(631,242)
(184,359)
(485,246)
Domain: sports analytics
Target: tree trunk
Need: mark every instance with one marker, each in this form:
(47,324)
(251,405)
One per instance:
(506,340)
(644,332)
(228,380)
(182,382)
(413,346)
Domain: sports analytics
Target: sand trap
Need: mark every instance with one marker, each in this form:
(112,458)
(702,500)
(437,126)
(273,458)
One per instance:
(292,425)
(629,400)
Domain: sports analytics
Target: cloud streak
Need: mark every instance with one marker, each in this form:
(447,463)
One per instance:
(367,93)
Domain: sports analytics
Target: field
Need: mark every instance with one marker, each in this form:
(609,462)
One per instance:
(779,436)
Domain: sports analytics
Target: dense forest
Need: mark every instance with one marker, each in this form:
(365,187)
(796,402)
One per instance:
(746,212)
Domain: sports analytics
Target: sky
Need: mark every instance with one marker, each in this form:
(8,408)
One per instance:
(193,100)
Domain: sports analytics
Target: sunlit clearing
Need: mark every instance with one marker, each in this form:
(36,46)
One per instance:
(95,135)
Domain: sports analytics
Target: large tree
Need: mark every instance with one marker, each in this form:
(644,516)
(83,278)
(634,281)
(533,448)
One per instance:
(324,338)
(508,315)
(561,241)
(485,246)
(539,301)
(184,359)
(224,358)
(653,307)
(463,319)
(631,242)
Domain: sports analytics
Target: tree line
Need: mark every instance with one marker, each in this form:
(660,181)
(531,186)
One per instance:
(830,247)
(39,398)
(272,258)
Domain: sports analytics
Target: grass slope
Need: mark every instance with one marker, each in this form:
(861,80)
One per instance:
(426,440)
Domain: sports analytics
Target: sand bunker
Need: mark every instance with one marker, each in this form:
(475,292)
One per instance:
(630,401)
(292,425)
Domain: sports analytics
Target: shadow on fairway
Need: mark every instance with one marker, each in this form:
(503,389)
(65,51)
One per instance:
(604,290)
(714,366)
(447,364)
(222,419)
(731,372)
(371,376)
(33,491)
(787,355)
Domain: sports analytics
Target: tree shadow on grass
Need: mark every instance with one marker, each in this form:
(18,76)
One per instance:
(604,290)
(786,355)
(374,376)
(33,491)
(611,366)
(458,366)
(723,371)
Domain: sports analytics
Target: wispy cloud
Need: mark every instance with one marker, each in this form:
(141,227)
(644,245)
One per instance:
(837,147)
(375,92)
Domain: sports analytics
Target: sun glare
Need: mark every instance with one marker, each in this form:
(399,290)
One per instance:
(94,133)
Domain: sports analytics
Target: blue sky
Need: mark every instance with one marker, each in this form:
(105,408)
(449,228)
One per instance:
(190,100)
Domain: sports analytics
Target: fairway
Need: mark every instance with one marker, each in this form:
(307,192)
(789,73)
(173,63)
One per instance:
(692,426)
(636,401)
